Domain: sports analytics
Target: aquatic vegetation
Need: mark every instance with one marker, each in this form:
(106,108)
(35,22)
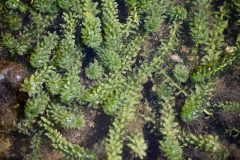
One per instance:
(181,72)
(195,102)
(199,22)
(137,145)
(208,143)
(204,72)
(170,130)
(228,106)
(99,55)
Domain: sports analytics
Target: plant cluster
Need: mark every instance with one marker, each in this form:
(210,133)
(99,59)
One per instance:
(58,37)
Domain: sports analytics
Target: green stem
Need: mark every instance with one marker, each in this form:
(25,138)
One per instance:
(174,83)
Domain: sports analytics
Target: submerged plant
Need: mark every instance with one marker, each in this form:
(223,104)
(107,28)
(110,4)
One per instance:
(208,143)
(137,145)
(181,72)
(99,55)
(228,106)
(170,129)
(196,102)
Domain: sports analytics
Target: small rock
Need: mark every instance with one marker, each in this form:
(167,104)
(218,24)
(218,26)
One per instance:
(12,75)
(12,72)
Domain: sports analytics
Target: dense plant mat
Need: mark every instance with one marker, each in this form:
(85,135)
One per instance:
(119,79)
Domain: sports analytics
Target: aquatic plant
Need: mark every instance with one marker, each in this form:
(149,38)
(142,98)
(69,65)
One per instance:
(228,106)
(199,22)
(87,54)
(170,129)
(196,102)
(204,72)
(137,145)
(208,143)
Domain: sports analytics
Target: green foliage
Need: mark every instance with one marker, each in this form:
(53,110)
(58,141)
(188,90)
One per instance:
(131,4)
(114,142)
(199,23)
(208,143)
(36,105)
(43,6)
(196,102)
(13,45)
(91,31)
(155,65)
(54,82)
(26,126)
(132,23)
(199,28)
(110,59)
(94,71)
(71,86)
(228,106)
(24,41)
(165,92)
(170,131)
(155,10)
(68,55)
(214,46)
(91,26)
(205,72)
(115,93)
(117,39)
(36,146)
(137,145)
(111,25)
(16,5)
(60,143)
(41,55)
(66,119)
(172,83)
(181,72)
(33,84)
(128,55)
(237,5)
(207,31)
(13,20)
(66,4)
(40,23)
(178,14)
(123,59)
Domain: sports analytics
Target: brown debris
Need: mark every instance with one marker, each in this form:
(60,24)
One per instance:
(12,72)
